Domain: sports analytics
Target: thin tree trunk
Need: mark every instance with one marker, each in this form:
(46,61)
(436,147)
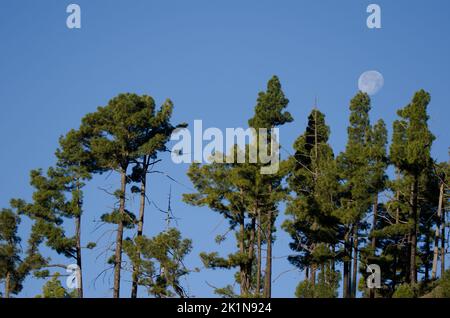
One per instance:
(427,254)
(7,284)
(394,278)
(242,251)
(414,216)
(374,239)
(345,285)
(408,262)
(251,255)
(374,223)
(118,252)
(323,273)
(268,273)
(437,233)
(313,274)
(443,238)
(333,260)
(78,252)
(78,241)
(397,220)
(349,276)
(140,229)
(355,261)
(316,153)
(258,264)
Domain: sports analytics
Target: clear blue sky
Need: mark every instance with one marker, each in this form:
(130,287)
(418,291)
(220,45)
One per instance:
(211,58)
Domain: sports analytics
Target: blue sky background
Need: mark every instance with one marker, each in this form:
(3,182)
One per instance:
(211,58)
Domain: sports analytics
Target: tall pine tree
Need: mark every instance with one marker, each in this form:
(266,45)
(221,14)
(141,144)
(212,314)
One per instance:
(410,153)
(354,169)
(117,135)
(313,223)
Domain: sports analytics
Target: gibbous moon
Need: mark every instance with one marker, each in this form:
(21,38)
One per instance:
(370,82)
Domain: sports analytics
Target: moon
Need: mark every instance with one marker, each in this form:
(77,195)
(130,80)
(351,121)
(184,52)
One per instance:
(370,82)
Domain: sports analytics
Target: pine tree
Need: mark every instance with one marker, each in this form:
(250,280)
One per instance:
(77,164)
(313,224)
(246,198)
(117,135)
(217,189)
(378,162)
(410,152)
(157,134)
(355,173)
(49,211)
(13,269)
(428,200)
(269,113)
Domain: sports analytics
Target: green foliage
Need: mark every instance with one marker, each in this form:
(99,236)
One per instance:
(13,269)
(269,110)
(91,245)
(404,291)
(226,292)
(129,127)
(128,219)
(444,285)
(49,209)
(353,163)
(326,286)
(440,288)
(412,140)
(161,265)
(54,289)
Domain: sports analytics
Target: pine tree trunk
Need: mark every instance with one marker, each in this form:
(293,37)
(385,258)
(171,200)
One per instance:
(119,238)
(346,269)
(394,276)
(251,254)
(140,229)
(313,274)
(374,240)
(268,272)
(7,284)
(374,223)
(437,233)
(242,251)
(316,159)
(443,238)
(355,261)
(349,276)
(333,260)
(78,252)
(408,262)
(427,254)
(258,264)
(414,216)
